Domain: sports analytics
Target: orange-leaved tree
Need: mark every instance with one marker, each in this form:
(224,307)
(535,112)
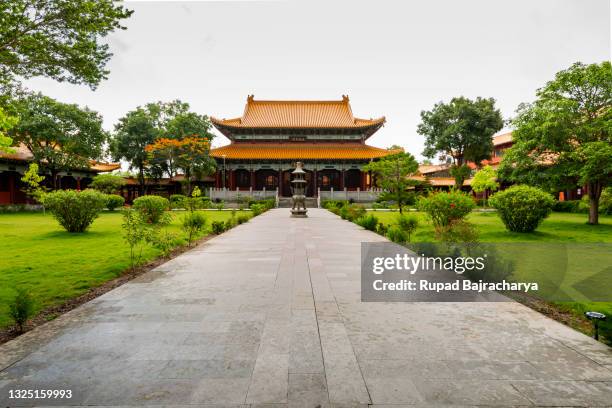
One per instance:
(189,154)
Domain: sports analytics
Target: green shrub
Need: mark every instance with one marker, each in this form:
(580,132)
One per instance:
(218,227)
(352,212)
(459,231)
(176,200)
(382,228)
(136,233)
(570,206)
(408,223)
(163,240)
(74,210)
(446,207)
(241,219)
(257,209)
(522,208)
(396,234)
(605,201)
(108,183)
(368,222)
(230,223)
(21,309)
(193,223)
(151,207)
(114,201)
(328,204)
(220,205)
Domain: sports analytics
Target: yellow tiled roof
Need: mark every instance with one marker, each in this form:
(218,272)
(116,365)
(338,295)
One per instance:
(23,154)
(298,114)
(300,151)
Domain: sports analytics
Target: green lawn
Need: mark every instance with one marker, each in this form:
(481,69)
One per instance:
(541,263)
(559,227)
(54,265)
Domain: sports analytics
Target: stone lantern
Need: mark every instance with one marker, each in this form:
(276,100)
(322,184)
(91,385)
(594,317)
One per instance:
(298,187)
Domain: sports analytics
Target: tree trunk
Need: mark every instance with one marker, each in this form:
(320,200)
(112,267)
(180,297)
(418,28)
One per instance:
(188,179)
(54,178)
(141,181)
(594,194)
(399,200)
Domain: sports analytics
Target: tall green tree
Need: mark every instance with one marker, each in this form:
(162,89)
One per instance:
(393,175)
(134,132)
(155,121)
(58,39)
(485,180)
(463,130)
(6,123)
(60,136)
(564,138)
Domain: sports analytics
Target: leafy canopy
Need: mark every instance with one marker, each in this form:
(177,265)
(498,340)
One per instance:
(58,39)
(392,174)
(146,125)
(485,179)
(59,135)
(6,123)
(564,138)
(462,130)
(108,183)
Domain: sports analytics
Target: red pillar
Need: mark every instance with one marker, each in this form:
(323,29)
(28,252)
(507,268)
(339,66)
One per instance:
(78,180)
(342,180)
(280,182)
(218,179)
(314,182)
(252,179)
(231,180)
(11,181)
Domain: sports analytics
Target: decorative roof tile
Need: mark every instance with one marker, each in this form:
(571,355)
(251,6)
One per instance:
(300,151)
(298,114)
(23,154)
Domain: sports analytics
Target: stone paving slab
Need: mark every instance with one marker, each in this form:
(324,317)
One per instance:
(269,315)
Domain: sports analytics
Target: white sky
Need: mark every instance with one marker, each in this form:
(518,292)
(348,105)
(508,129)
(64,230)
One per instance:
(393,58)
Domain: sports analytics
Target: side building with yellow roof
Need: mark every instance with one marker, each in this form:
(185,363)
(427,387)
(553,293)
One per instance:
(271,136)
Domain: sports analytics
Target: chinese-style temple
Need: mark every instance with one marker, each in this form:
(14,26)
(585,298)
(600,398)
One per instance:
(13,165)
(271,136)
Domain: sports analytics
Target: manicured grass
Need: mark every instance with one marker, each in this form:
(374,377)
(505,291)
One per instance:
(54,265)
(543,263)
(559,227)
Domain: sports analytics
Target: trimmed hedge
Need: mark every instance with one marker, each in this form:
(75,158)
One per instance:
(522,208)
(114,201)
(151,207)
(74,210)
(446,207)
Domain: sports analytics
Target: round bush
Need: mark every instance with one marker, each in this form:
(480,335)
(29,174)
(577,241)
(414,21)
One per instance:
(113,201)
(447,207)
(368,222)
(522,208)
(74,210)
(176,200)
(397,235)
(151,207)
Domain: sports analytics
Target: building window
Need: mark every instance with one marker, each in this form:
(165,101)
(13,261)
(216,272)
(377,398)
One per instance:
(325,181)
(270,181)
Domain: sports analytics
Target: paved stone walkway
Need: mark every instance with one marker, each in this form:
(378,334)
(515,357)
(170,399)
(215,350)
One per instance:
(269,313)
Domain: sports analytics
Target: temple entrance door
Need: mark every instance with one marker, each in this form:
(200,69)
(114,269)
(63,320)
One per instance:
(287,183)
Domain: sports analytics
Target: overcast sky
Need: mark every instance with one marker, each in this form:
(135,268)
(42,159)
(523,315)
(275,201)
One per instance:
(393,58)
